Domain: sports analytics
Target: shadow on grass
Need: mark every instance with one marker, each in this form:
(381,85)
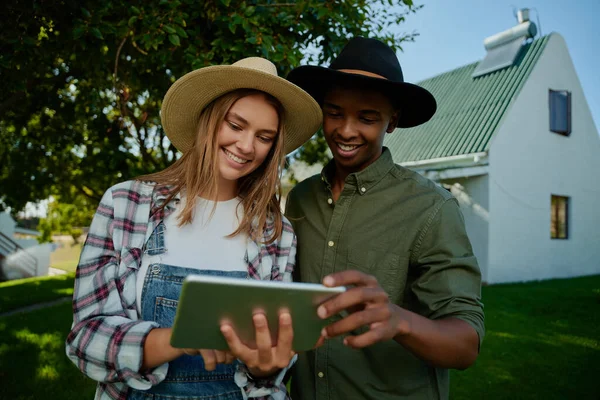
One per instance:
(25,292)
(542,342)
(33,364)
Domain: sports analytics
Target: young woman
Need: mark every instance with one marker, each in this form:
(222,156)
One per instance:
(214,211)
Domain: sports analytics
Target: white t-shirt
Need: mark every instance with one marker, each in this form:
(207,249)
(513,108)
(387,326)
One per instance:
(203,244)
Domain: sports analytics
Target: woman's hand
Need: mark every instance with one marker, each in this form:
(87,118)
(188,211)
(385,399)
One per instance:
(266,359)
(211,357)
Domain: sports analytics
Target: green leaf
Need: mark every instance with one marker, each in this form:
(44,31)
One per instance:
(132,21)
(322,12)
(136,10)
(78,32)
(169,29)
(277,57)
(29,40)
(181,32)
(175,40)
(85,13)
(226,2)
(251,40)
(232,27)
(96,33)
(163,2)
(249,11)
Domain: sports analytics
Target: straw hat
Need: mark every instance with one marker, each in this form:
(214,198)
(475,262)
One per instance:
(190,94)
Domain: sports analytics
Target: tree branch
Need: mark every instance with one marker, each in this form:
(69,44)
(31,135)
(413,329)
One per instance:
(137,48)
(117,64)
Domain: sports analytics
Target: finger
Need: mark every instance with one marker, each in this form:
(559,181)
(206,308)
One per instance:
(351,298)
(210,361)
(320,342)
(263,339)
(229,358)
(236,347)
(220,356)
(350,277)
(357,320)
(368,338)
(285,339)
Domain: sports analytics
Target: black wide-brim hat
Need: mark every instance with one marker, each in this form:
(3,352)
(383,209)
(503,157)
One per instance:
(369,64)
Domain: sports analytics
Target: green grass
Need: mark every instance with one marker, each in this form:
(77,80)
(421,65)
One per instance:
(542,342)
(23,292)
(66,257)
(33,364)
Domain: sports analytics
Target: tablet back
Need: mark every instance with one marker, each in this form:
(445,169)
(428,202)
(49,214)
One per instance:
(207,300)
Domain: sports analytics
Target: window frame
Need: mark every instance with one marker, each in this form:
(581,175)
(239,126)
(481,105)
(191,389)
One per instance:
(552,111)
(555,232)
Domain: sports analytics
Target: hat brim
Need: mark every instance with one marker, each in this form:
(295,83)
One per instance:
(417,105)
(189,95)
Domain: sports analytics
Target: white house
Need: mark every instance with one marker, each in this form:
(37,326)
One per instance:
(515,142)
(21,256)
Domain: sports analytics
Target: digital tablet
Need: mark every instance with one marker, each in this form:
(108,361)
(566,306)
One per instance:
(207,300)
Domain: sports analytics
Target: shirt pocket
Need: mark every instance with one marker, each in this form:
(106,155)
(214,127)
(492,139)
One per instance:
(389,268)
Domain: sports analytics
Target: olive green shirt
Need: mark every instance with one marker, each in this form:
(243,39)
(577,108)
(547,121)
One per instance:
(410,234)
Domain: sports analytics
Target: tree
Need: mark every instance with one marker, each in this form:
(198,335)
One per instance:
(82,81)
(66,219)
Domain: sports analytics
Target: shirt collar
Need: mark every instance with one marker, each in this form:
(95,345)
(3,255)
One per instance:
(367,178)
(159,196)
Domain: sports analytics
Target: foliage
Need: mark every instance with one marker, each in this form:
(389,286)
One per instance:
(63,218)
(82,81)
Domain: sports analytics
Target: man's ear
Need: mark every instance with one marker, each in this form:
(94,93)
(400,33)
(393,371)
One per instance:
(393,122)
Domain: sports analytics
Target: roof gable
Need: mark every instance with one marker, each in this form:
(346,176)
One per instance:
(469,109)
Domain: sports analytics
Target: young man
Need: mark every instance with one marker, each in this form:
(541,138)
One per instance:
(398,241)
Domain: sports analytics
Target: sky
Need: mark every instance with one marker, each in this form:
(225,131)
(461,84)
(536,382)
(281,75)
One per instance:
(451,35)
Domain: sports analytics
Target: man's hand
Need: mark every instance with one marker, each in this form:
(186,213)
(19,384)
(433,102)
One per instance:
(266,359)
(368,304)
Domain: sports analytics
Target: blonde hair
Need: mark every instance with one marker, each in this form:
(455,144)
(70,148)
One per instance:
(197,172)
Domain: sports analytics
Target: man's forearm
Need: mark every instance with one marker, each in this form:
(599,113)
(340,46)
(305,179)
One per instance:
(444,343)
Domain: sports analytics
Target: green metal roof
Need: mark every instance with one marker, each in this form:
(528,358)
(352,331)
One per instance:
(469,110)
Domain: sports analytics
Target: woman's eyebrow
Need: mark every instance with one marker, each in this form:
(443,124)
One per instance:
(238,117)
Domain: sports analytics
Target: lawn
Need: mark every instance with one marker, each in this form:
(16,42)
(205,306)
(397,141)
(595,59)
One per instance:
(542,342)
(33,364)
(23,292)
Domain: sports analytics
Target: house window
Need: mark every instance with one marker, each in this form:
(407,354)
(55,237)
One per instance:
(559,217)
(560,111)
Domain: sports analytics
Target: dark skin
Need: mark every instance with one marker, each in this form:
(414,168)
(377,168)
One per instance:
(355,123)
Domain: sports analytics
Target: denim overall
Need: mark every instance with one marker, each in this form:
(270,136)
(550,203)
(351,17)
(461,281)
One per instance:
(186,378)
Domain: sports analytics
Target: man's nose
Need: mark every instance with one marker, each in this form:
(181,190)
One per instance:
(346,129)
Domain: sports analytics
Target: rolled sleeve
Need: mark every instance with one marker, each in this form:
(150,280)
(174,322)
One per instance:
(449,278)
(106,341)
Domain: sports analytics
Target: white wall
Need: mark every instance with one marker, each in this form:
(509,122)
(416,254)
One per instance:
(472,194)
(528,163)
(7,224)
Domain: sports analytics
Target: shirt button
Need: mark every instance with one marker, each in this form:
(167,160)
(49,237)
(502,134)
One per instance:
(330,243)
(321,374)
(330,201)
(362,189)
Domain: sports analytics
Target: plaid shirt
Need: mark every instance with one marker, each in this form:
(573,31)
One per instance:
(106,341)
